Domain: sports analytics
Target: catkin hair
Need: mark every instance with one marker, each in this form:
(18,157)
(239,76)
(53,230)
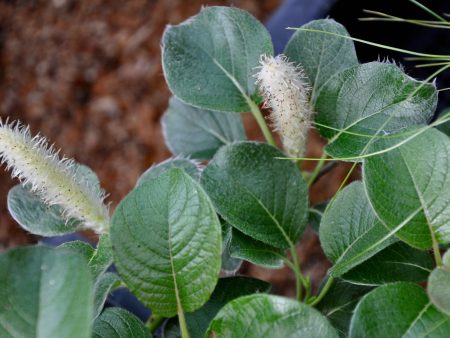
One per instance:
(33,161)
(286,91)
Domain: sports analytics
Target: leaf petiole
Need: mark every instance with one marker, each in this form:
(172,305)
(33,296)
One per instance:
(323,292)
(317,169)
(183,326)
(300,280)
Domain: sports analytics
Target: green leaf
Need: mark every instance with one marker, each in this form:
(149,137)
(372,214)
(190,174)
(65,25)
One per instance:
(226,290)
(256,252)
(167,243)
(198,54)
(397,263)
(438,286)
(339,303)
(350,232)
(106,283)
(44,292)
(98,261)
(260,195)
(409,188)
(269,316)
(119,323)
(372,99)
(321,55)
(198,133)
(191,167)
(103,256)
(229,264)
(37,217)
(81,248)
(398,310)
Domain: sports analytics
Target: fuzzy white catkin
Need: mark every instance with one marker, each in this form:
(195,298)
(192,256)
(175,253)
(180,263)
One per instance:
(35,162)
(286,92)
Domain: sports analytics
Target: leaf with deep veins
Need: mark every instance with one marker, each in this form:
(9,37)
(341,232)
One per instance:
(167,243)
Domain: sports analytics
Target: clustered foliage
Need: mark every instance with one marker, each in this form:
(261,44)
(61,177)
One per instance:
(224,199)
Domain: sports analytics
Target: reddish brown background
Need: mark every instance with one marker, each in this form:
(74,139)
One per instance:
(87,74)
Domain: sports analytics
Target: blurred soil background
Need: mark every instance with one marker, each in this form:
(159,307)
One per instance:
(87,74)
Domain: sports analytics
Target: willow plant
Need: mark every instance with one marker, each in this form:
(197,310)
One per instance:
(180,236)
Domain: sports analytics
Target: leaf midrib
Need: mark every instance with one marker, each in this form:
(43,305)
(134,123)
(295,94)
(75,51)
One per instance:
(278,225)
(339,308)
(419,195)
(361,254)
(419,315)
(409,264)
(211,131)
(171,259)
(230,76)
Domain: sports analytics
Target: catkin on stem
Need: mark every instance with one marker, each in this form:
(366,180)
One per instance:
(286,92)
(33,161)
